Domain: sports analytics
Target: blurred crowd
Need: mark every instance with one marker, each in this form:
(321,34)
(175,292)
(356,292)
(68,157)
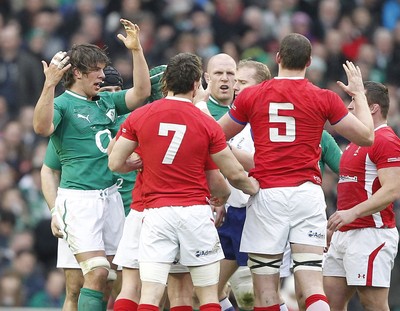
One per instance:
(366,32)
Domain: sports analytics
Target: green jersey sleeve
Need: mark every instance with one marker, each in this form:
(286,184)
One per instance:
(331,153)
(51,158)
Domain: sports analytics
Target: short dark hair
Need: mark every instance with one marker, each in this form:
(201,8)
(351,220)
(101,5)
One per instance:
(182,71)
(262,70)
(85,58)
(295,51)
(377,93)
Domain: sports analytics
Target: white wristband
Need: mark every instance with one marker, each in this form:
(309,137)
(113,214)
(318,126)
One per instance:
(201,105)
(53,211)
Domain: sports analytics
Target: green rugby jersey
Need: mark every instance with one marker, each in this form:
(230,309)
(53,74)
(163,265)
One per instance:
(81,137)
(216,109)
(125,182)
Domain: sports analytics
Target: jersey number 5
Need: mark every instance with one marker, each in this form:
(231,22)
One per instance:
(290,123)
(176,141)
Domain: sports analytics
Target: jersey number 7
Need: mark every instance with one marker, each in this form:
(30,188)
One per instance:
(176,141)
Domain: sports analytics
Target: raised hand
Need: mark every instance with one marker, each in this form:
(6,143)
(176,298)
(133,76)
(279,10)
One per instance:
(354,78)
(56,69)
(131,40)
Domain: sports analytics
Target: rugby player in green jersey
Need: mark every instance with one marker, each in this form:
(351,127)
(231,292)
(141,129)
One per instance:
(88,206)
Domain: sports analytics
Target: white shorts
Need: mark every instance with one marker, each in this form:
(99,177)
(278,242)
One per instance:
(90,220)
(128,248)
(65,258)
(364,256)
(284,270)
(279,215)
(178,268)
(185,231)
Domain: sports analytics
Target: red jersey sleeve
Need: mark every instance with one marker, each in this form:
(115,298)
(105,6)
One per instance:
(336,109)
(386,149)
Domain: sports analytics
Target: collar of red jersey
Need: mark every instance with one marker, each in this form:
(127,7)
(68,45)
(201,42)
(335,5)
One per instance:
(179,98)
(380,126)
(291,78)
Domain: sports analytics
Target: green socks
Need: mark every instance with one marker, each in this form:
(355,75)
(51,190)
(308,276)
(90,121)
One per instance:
(90,300)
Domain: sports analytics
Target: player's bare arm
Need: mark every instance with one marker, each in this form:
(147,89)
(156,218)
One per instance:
(50,180)
(218,186)
(136,96)
(245,158)
(44,109)
(119,158)
(234,172)
(389,192)
(230,127)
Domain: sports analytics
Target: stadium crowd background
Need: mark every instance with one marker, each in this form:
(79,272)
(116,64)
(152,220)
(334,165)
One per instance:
(364,31)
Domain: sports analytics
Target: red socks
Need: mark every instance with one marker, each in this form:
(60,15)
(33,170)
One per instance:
(181,308)
(210,307)
(125,305)
(146,307)
(270,308)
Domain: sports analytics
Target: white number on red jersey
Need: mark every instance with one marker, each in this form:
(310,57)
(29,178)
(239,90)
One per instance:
(290,123)
(176,141)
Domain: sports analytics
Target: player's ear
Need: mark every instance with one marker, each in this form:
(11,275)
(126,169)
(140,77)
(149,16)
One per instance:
(309,62)
(207,77)
(77,73)
(277,58)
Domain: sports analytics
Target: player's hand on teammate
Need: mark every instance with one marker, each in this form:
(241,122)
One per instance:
(132,40)
(355,83)
(256,186)
(218,211)
(341,218)
(54,71)
(201,94)
(135,162)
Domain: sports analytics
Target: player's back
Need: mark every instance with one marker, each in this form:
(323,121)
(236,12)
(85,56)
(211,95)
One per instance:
(287,118)
(175,140)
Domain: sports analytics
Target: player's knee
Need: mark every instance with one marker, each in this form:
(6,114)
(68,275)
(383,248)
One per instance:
(307,261)
(112,275)
(154,272)
(374,303)
(206,275)
(262,265)
(245,300)
(97,265)
(242,287)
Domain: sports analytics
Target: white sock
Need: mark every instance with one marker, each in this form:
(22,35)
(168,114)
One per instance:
(319,305)
(283,307)
(225,304)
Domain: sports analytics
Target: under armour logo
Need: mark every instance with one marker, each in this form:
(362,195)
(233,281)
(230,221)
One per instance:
(83,117)
(361,276)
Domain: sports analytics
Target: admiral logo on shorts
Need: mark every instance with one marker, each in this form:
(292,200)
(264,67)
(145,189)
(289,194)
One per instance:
(317,235)
(214,250)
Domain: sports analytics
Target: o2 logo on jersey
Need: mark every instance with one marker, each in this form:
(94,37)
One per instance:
(103,139)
